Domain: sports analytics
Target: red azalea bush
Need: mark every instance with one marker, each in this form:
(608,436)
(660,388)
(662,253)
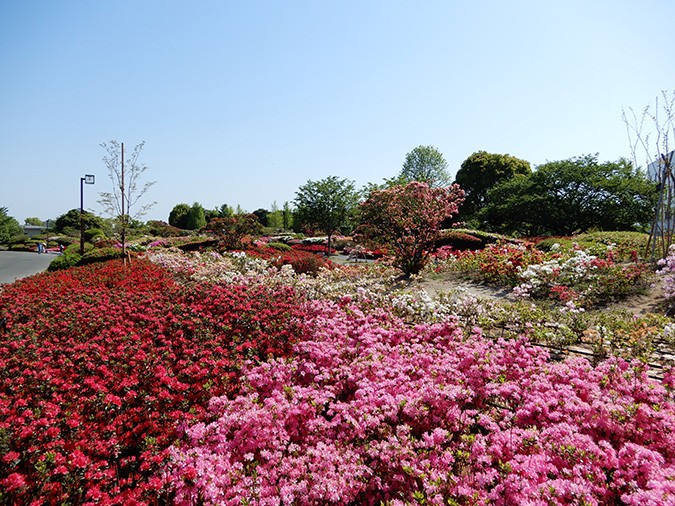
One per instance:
(312,248)
(100,364)
(303,262)
(499,263)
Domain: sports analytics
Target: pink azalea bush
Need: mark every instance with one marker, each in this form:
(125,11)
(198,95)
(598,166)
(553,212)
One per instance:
(371,411)
(408,220)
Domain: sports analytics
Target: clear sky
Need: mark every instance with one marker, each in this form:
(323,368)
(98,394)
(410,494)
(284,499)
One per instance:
(241,102)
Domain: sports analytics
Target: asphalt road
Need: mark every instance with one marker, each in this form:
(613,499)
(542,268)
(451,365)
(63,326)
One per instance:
(19,264)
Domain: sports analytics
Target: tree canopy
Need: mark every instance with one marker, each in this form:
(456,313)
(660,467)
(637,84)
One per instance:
(72,220)
(571,196)
(178,217)
(424,164)
(9,227)
(480,172)
(325,205)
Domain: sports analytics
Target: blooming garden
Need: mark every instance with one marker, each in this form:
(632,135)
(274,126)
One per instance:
(230,378)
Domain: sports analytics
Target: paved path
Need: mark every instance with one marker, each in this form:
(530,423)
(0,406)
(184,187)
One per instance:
(19,264)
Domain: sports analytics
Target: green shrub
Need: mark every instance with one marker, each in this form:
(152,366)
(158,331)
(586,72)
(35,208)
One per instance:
(162,229)
(93,234)
(100,255)
(279,246)
(64,261)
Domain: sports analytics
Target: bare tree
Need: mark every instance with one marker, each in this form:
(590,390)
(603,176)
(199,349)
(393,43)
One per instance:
(127,186)
(652,135)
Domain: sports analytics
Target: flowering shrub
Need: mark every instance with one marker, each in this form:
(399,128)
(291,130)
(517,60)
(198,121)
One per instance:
(302,262)
(312,248)
(408,219)
(99,365)
(580,278)
(370,411)
(499,263)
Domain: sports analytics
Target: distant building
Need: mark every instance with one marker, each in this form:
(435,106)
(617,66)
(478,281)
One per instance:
(33,230)
(656,168)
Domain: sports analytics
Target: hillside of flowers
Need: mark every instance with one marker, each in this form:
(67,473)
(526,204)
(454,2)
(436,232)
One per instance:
(230,378)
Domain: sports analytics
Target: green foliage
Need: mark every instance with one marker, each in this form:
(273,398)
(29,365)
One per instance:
(71,220)
(326,205)
(94,234)
(10,230)
(424,164)
(178,217)
(162,229)
(196,218)
(35,222)
(263,216)
(480,172)
(95,255)
(571,196)
(625,246)
(66,260)
(275,218)
(279,246)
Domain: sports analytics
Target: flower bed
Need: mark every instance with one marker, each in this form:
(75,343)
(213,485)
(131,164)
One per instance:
(99,365)
(370,411)
(103,369)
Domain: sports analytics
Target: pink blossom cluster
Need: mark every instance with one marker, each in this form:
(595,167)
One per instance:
(372,411)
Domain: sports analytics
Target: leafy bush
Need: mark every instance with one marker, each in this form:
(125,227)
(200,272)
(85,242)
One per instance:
(162,229)
(100,255)
(93,234)
(279,246)
(64,261)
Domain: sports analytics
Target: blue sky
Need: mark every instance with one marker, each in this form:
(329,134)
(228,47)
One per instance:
(241,102)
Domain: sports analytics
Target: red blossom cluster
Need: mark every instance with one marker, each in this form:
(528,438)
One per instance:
(312,248)
(303,262)
(100,365)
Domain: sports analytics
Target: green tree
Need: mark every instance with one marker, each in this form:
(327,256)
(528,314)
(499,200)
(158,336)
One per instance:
(275,218)
(196,218)
(178,217)
(224,211)
(326,205)
(287,215)
(572,196)
(480,172)
(10,229)
(408,220)
(35,222)
(71,220)
(262,215)
(424,164)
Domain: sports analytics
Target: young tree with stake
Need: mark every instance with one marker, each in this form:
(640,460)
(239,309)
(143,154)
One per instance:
(127,187)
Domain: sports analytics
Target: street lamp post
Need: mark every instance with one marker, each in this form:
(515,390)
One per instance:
(87,179)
